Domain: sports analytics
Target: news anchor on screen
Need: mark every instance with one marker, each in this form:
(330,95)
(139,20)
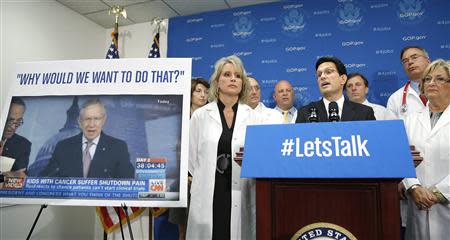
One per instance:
(92,153)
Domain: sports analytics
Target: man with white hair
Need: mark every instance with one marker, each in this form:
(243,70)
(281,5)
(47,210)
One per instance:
(254,101)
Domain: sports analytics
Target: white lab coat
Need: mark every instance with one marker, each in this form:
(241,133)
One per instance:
(413,103)
(269,115)
(205,131)
(394,111)
(434,171)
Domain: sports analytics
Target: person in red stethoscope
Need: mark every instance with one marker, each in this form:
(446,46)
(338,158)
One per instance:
(408,99)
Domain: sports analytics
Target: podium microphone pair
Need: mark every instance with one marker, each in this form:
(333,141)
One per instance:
(333,112)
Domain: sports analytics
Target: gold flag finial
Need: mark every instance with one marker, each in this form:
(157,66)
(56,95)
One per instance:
(117,11)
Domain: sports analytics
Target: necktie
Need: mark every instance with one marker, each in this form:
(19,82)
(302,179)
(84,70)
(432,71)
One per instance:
(87,158)
(285,116)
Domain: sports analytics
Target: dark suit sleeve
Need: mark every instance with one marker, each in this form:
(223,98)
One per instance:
(370,114)
(22,155)
(301,116)
(124,168)
(53,166)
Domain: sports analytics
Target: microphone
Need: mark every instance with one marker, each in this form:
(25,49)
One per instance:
(333,112)
(313,115)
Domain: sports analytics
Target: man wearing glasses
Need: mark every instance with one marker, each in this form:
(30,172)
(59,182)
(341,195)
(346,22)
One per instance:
(13,145)
(408,98)
(92,153)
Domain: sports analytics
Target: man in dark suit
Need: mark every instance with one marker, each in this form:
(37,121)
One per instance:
(92,153)
(331,77)
(13,145)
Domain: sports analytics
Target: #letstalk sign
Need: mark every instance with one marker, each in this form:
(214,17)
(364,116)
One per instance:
(360,149)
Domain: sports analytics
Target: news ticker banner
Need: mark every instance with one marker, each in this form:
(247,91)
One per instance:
(283,40)
(358,149)
(147,105)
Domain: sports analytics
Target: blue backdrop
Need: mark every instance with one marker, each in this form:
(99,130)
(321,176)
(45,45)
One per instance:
(282,40)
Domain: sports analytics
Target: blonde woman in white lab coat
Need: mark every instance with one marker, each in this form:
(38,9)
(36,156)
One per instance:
(221,206)
(429,130)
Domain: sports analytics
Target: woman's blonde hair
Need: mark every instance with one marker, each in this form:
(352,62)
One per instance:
(218,67)
(435,64)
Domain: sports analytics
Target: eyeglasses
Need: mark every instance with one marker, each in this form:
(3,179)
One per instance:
(13,122)
(413,57)
(327,72)
(92,119)
(437,80)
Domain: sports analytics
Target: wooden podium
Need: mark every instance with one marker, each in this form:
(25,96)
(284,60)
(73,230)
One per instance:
(368,208)
(314,180)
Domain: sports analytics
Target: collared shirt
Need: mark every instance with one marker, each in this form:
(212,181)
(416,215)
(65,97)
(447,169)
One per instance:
(340,103)
(415,85)
(93,147)
(292,113)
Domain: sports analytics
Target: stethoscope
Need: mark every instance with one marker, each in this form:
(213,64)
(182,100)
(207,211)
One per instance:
(404,107)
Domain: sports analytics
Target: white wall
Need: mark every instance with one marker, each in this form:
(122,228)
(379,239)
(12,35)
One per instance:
(136,40)
(45,30)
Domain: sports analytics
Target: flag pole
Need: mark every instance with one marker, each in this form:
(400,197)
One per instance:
(117,11)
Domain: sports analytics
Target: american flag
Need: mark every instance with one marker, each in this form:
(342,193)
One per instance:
(109,216)
(112,50)
(154,52)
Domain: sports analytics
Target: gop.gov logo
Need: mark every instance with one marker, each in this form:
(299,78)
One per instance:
(323,231)
(350,16)
(243,28)
(293,22)
(411,11)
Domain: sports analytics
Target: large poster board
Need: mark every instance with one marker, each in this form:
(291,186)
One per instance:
(140,155)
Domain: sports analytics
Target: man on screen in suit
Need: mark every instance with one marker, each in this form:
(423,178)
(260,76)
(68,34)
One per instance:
(92,153)
(13,145)
(331,77)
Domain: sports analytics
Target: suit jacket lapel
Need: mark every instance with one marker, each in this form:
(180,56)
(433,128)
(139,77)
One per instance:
(78,154)
(347,111)
(322,111)
(100,149)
